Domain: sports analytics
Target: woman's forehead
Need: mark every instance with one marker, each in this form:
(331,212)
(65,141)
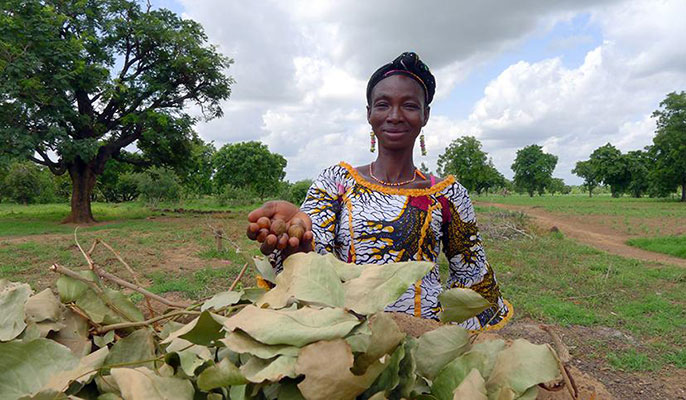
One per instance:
(398,85)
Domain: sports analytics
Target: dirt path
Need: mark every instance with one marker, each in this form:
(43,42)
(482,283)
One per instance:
(593,234)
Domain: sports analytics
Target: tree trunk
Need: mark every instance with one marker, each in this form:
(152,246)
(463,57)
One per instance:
(683,190)
(82,181)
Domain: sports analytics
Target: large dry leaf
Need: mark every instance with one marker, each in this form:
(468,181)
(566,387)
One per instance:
(385,337)
(380,285)
(360,338)
(72,290)
(138,346)
(220,375)
(435,349)
(43,306)
(143,384)
(290,326)
(241,343)
(203,330)
(481,357)
(83,373)
(460,304)
(26,366)
(221,300)
(13,296)
(265,269)
(191,356)
(307,278)
(473,387)
(326,366)
(389,378)
(519,367)
(257,370)
(74,333)
(345,271)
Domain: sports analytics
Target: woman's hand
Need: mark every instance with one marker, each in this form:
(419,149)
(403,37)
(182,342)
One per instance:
(280,225)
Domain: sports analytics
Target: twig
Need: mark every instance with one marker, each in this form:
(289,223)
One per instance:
(133,274)
(560,348)
(93,285)
(609,267)
(121,282)
(85,255)
(238,278)
(571,387)
(123,325)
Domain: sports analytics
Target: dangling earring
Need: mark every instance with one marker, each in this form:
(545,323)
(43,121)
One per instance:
(422,145)
(373,141)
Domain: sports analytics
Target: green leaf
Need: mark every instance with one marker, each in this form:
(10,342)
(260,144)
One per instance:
(221,300)
(380,285)
(26,366)
(257,370)
(292,327)
(307,278)
(242,343)
(360,338)
(384,339)
(252,294)
(13,296)
(220,375)
(191,356)
(407,370)
(435,349)
(72,290)
(389,378)
(521,366)
(289,391)
(265,269)
(473,387)
(143,384)
(326,366)
(74,334)
(137,347)
(104,340)
(203,330)
(482,356)
(460,304)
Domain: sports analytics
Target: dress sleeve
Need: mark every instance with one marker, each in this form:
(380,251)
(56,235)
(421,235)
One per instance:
(468,265)
(323,205)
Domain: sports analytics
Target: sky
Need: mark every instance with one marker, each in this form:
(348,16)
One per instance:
(569,75)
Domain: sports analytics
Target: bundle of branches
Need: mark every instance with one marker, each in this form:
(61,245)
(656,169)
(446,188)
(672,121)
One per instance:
(506,225)
(320,333)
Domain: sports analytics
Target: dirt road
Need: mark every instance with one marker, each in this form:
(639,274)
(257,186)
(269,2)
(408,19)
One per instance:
(591,233)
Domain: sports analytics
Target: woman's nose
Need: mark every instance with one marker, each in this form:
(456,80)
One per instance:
(394,114)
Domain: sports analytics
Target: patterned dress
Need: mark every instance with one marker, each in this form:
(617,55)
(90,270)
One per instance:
(365,223)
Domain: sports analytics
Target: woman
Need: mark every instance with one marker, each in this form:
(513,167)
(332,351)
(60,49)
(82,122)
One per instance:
(388,211)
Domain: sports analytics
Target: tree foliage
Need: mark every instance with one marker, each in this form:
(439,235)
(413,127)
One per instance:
(465,159)
(249,165)
(533,169)
(585,170)
(669,144)
(611,168)
(82,80)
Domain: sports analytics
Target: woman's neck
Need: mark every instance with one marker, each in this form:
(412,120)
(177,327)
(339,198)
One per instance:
(394,166)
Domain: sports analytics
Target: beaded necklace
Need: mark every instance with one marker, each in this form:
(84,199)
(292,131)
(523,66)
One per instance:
(414,176)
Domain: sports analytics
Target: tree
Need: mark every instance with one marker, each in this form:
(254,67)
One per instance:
(638,166)
(533,169)
(196,173)
(82,80)
(249,165)
(22,182)
(611,168)
(556,185)
(470,165)
(669,144)
(584,169)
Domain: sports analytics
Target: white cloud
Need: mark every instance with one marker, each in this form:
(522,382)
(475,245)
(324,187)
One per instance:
(301,70)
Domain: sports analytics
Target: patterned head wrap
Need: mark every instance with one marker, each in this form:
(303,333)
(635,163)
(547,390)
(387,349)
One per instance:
(410,65)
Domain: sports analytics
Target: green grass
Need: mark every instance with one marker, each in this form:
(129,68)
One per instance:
(632,360)
(597,205)
(672,245)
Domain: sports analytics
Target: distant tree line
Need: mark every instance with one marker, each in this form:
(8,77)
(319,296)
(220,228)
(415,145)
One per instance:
(657,170)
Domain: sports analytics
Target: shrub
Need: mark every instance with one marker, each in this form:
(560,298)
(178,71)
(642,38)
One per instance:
(22,183)
(298,191)
(158,184)
(236,196)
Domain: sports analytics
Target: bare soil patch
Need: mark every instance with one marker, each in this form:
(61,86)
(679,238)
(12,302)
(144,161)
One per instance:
(591,230)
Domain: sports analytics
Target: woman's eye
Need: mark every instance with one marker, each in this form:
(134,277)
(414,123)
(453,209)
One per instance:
(411,106)
(381,105)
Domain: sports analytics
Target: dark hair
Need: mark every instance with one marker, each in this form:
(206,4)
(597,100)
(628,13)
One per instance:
(410,65)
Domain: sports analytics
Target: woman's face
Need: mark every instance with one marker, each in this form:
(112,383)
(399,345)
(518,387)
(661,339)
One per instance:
(397,112)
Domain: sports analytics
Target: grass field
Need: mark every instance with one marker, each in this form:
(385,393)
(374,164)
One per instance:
(548,278)
(672,245)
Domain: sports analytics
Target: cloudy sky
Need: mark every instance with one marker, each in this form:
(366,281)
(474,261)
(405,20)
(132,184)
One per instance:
(570,75)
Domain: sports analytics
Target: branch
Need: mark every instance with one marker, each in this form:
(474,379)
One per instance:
(123,325)
(238,278)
